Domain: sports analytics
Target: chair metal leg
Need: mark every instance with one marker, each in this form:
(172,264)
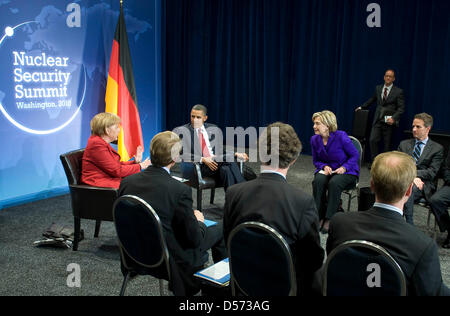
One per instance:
(199,200)
(77,224)
(97,228)
(124,284)
(435,229)
(161,287)
(233,288)
(213,192)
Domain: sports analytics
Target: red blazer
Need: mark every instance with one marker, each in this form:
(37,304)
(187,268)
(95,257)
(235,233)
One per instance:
(101,166)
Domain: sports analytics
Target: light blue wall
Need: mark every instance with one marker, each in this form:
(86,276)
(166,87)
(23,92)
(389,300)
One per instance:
(82,32)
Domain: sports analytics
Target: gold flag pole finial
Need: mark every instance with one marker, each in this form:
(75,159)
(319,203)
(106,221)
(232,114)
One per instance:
(121,2)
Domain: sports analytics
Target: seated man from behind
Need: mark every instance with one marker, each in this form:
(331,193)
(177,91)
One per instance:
(392,177)
(271,200)
(198,145)
(187,237)
(428,156)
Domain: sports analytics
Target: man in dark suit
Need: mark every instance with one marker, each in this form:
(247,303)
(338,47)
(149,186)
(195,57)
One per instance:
(390,106)
(392,178)
(428,156)
(269,199)
(201,145)
(440,201)
(187,237)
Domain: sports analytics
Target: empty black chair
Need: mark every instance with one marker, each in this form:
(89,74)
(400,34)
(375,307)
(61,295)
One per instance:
(360,127)
(142,245)
(88,202)
(362,268)
(260,262)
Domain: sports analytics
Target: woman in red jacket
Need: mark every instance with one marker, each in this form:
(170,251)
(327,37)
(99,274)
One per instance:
(101,165)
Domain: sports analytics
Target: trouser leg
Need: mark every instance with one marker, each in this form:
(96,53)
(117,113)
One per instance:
(337,184)
(387,131)
(408,208)
(439,206)
(214,240)
(320,184)
(230,174)
(374,140)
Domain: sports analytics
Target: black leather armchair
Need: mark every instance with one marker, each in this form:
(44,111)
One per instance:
(88,202)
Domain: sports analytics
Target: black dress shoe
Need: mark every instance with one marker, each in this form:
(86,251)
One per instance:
(446,243)
(323,229)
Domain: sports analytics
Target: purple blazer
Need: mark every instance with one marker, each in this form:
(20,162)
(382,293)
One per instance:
(339,152)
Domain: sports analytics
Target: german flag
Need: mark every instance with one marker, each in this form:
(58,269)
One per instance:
(120,95)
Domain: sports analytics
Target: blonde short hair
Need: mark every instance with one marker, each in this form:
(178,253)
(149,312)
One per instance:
(102,121)
(164,148)
(328,119)
(392,173)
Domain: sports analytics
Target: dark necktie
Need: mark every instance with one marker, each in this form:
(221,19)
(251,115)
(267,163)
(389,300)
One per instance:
(385,94)
(416,152)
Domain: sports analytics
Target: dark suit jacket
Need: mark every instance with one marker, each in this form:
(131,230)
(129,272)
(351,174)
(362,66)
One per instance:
(394,104)
(172,201)
(269,199)
(192,150)
(415,252)
(429,162)
(446,170)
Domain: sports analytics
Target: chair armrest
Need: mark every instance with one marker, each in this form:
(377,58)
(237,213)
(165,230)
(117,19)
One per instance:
(92,202)
(90,187)
(198,174)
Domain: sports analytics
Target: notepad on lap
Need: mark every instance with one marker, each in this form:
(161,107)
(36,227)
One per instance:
(218,273)
(180,179)
(210,223)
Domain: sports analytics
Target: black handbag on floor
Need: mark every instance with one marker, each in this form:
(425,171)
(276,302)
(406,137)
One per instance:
(58,236)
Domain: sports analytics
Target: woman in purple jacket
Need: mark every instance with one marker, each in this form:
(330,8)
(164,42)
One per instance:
(336,161)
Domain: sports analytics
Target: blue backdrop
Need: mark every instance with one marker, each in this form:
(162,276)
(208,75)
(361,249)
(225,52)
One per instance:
(255,62)
(54,64)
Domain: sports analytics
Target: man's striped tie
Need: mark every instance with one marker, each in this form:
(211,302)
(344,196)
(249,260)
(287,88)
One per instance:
(416,152)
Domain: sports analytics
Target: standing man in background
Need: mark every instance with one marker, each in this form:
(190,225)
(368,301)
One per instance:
(390,106)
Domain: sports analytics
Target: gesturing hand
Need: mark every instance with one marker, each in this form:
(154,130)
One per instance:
(138,156)
(241,156)
(145,163)
(209,161)
(419,183)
